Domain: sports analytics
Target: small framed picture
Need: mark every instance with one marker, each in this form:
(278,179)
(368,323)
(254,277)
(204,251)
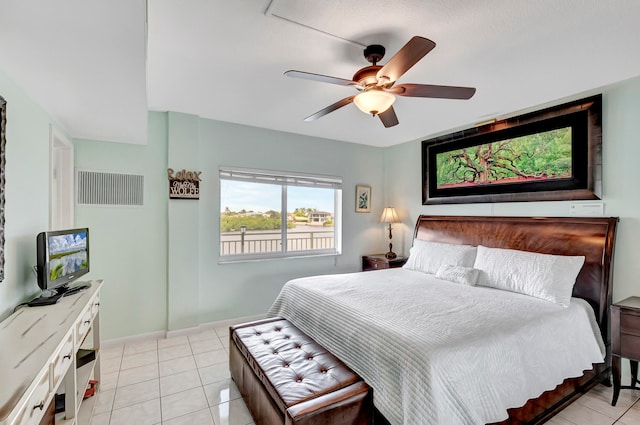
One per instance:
(363,199)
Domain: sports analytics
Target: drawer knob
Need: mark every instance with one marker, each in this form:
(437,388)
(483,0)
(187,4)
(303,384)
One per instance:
(39,406)
(86,322)
(67,356)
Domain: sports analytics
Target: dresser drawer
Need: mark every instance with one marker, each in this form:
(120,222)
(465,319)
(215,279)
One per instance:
(37,404)
(95,306)
(630,347)
(630,324)
(379,262)
(83,325)
(63,360)
(375,264)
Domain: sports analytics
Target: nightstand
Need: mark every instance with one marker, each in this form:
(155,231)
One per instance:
(379,262)
(625,340)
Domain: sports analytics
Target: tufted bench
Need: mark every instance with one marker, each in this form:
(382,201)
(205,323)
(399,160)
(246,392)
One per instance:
(285,377)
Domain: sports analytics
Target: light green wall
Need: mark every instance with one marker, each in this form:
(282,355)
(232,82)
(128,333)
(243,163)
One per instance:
(621,193)
(129,244)
(27,192)
(176,282)
(184,233)
(160,262)
(241,289)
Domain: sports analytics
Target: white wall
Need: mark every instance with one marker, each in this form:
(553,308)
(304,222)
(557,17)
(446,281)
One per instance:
(27,192)
(621,191)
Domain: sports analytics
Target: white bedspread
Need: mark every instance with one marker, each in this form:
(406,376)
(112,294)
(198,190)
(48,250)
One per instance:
(441,353)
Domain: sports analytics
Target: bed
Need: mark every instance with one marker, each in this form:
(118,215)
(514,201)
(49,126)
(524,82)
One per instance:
(474,356)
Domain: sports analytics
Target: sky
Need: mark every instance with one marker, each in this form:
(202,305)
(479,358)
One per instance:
(238,195)
(69,242)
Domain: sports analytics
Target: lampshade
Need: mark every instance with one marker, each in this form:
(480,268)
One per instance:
(374,101)
(389,215)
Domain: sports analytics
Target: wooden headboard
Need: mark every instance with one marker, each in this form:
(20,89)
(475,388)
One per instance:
(591,237)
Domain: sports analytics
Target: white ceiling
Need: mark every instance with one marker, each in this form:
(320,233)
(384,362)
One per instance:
(82,60)
(86,61)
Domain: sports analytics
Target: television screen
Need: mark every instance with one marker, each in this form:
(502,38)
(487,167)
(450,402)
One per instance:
(67,254)
(63,256)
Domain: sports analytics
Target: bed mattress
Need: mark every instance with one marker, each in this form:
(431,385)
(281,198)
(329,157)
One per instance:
(438,352)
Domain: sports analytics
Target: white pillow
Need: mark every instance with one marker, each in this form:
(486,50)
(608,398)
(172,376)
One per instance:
(458,274)
(545,276)
(427,256)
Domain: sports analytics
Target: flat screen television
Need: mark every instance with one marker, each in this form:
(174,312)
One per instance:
(63,256)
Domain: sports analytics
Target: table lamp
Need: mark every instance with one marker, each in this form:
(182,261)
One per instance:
(389,215)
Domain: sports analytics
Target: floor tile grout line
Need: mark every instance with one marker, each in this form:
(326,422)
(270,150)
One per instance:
(202,385)
(616,420)
(161,415)
(626,411)
(603,414)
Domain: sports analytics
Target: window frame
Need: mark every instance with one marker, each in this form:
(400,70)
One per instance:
(284,179)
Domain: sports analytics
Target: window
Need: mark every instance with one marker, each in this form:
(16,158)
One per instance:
(272,214)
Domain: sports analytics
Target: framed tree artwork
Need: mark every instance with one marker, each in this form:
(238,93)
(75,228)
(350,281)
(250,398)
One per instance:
(552,154)
(363,199)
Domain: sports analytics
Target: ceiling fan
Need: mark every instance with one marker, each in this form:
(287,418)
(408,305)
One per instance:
(376,82)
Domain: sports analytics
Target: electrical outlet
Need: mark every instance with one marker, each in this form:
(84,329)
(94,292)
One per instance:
(592,209)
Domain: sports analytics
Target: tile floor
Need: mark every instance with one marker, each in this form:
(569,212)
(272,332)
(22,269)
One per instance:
(185,381)
(594,408)
(175,381)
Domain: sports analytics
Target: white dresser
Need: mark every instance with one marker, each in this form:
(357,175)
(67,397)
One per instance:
(38,347)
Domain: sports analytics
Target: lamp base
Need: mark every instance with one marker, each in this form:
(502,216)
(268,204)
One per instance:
(390,255)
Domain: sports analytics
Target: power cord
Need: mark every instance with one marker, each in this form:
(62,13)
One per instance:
(19,305)
(35,271)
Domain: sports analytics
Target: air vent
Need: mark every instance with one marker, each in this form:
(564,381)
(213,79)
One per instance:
(99,188)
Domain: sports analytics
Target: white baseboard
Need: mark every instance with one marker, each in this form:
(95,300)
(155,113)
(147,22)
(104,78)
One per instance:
(133,338)
(180,332)
(229,322)
(183,332)
(213,325)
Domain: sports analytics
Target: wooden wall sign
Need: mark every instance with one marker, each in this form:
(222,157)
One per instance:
(184,184)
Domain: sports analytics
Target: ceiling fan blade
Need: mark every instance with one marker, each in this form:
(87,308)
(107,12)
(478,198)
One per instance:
(427,90)
(339,104)
(388,117)
(406,57)
(321,78)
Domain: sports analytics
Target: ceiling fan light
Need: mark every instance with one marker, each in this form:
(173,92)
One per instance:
(374,101)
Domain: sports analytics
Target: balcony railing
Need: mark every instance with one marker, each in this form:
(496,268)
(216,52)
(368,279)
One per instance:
(235,243)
